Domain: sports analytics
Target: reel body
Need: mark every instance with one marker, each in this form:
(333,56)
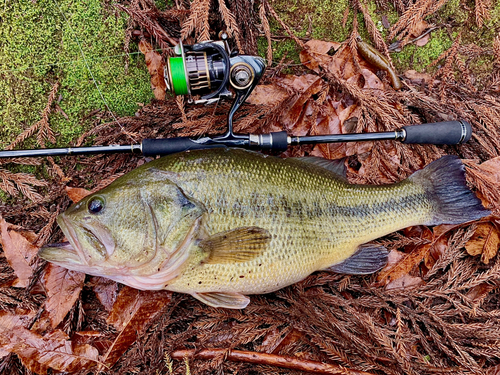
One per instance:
(208,69)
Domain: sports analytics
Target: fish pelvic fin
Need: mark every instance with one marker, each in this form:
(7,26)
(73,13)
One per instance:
(237,245)
(367,259)
(453,202)
(225,300)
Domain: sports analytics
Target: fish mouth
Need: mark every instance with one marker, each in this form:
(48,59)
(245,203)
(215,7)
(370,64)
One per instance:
(66,254)
(61,253)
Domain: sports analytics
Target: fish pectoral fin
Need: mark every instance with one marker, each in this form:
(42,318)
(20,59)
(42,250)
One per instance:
(236,245)
(367,259)
(225,300)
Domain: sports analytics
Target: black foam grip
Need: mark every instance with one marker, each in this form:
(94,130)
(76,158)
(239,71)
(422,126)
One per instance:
(152,147)
(439,133)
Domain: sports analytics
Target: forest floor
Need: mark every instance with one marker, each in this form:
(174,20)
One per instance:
(72,74)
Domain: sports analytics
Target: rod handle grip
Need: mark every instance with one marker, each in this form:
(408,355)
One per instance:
(165,146)
(439,133)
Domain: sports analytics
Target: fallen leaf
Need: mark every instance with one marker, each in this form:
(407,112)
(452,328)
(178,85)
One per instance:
(106,291)
(419,78)
(267,95)
(486,178)
(418,28)
(19,250)
(423,41)
(484,241)
(156,67)
(54,351)
(317,52)
(477,293)
(63,288)
(404,282)
(131,313)
(76,194)
(306,86)
(9,321)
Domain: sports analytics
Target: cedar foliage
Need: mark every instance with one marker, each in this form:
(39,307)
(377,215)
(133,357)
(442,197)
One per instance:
(448,323)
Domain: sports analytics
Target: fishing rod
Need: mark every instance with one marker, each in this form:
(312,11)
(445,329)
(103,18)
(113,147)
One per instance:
(206,71)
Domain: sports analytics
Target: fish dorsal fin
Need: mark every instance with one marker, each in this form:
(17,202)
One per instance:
(235,245)
(367,259)
(225,300)
(336,166)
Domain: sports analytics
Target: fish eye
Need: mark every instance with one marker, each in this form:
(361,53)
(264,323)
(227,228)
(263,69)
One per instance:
(95,205)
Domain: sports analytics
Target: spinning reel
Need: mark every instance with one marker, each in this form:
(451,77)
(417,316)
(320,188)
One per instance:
(207,70)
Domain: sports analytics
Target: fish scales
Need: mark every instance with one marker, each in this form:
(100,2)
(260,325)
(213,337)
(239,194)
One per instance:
(314,217)
(224,223)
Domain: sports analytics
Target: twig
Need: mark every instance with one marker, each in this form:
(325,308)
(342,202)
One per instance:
(288,362)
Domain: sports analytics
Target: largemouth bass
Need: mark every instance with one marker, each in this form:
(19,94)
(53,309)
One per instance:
(222,224)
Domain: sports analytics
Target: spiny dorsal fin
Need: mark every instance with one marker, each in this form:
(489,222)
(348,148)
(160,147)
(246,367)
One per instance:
(225,300)
(236,245)
(367,259)
(336,166)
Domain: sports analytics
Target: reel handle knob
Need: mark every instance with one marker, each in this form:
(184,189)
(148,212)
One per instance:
(440,133)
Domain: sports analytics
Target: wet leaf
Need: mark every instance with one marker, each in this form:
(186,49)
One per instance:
(423,41)
(419,78)
(405,281)
(63,288)
(318,51)
(52,351)
(19,250)
(155,66)
(485,242)
(267,95)
(76,194)
(306,86)
(9,321)
(106,291)
(131,313)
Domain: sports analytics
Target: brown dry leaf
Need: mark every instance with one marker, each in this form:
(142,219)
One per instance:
(8,321)
(106,291)
(306,86)
(54,351)
(19,250)
(404,282)
(76,194)
(63,288)
(132,311)
(267,95)
(392,272)
(476,294)
(419,78)
(419,28)
(155,66)
(317,52)
(485,241)
(423,41)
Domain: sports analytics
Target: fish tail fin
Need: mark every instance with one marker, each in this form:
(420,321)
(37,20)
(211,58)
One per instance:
(453,202)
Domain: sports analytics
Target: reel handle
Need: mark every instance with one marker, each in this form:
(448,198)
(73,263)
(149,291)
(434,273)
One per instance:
(440,133)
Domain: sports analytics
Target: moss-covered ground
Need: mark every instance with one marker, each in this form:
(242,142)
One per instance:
(41,42)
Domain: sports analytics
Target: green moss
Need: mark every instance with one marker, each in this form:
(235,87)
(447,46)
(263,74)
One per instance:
(419,58)
(39,47)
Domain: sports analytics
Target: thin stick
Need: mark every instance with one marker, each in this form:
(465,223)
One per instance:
(288,362)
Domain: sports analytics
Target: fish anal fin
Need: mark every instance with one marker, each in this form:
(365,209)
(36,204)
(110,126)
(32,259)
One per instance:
(368,258)
(225,300)
(236,245)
